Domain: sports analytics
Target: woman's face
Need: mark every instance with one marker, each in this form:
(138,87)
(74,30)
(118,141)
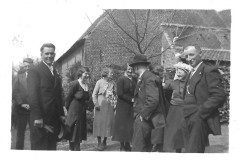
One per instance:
(181,73)
(129,71)
(110,74)
(85,75)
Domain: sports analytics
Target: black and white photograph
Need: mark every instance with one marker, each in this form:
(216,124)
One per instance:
(131,79)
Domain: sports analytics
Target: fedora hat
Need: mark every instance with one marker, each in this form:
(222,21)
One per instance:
(139,59)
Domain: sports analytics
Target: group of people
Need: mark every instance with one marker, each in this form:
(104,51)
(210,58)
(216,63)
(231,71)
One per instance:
(142,120)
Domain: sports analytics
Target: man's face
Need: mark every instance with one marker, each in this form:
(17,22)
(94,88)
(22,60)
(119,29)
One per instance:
(48,55)
(129,71)
(135,69)
(193,56)
(27,66)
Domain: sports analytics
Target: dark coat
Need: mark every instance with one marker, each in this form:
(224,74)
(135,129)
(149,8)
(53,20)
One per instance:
(208,93)
(20,95)
(76,106)
(45,99)
(147,93)
(123,127)
(150,104)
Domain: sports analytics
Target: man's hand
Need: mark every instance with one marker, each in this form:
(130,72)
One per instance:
(26,106)
(97,108)
(38,123)
(141,119)
(62,118)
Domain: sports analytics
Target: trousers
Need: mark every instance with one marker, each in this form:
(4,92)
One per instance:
(195,131)
(22,121)
(141,136)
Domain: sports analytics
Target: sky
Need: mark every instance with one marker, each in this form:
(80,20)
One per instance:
(60,22)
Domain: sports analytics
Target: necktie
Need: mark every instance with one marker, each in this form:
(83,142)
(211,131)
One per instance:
(51,69)
(26,74)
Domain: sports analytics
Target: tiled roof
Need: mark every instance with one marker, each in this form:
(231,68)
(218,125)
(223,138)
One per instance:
(212,54)
(225,15)
(201,18)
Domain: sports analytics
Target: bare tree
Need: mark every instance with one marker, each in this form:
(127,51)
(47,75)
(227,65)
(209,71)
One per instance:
(142,30)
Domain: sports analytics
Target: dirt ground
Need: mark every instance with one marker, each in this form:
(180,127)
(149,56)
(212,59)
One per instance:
(218,144)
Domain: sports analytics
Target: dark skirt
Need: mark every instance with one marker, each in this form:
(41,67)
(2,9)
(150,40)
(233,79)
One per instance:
(173,135)
(123,126)
(76,121)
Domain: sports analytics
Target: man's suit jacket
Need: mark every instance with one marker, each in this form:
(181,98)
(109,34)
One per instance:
(45,96)
(20,93)
(146,96)
(208,93)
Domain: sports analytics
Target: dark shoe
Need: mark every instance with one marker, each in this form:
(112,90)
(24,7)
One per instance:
(122,148)
(100,147)
(127,147)
(157,148)
(104,145)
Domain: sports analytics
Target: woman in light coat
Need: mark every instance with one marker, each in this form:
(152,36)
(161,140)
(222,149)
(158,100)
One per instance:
(104,98)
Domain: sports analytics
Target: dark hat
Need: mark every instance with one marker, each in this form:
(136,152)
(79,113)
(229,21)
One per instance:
(139,59)
(28,60)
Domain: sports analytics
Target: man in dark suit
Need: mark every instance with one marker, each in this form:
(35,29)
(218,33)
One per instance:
(21,103)
(204,94)
(45,99)
(147,111)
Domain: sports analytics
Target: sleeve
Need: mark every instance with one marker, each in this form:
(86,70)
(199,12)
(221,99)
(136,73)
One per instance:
(151,98)
(216,92)
(70,95)
(120,91)
(34,95)
(16,93)
(61,99)
(95,93)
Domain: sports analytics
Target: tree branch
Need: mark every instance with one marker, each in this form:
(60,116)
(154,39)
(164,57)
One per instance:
(117,32)
(152,56)
(145,30)
(116,23)
(159,33)
(137,33)
(130,50)
(145,49)
(188,35)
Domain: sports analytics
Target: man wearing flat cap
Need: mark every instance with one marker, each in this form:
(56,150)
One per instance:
(20,96)
(45,99)
(147,106)
(203,95)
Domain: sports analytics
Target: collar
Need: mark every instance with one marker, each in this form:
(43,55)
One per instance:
(195,68)
(47,65)
(140,76)
(126,75)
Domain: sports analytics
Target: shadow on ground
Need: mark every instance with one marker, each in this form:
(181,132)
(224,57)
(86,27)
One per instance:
(218,144)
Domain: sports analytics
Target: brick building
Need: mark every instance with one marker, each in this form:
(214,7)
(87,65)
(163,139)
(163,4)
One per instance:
(104,43)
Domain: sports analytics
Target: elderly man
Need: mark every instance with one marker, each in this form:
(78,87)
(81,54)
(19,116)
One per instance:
(148,112)
(20,96)
(204,94)
(45,99)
